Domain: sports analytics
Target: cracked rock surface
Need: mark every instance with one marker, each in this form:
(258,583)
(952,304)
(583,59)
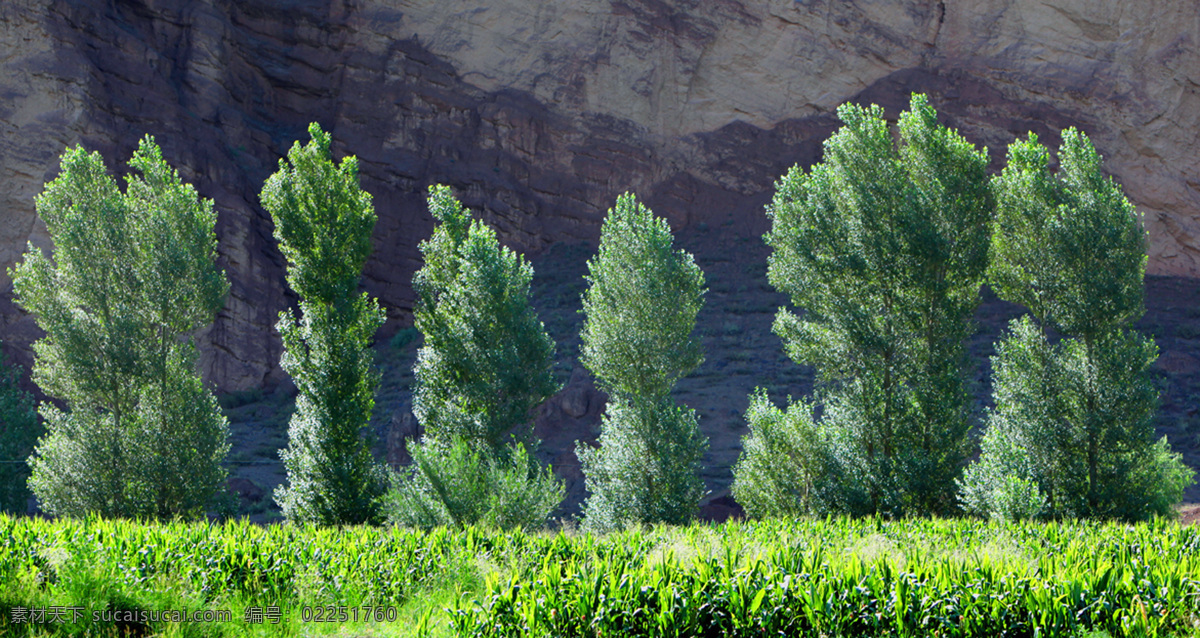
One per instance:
(540,113)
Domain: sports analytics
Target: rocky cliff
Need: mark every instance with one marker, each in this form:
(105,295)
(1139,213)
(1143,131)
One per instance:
(540,113)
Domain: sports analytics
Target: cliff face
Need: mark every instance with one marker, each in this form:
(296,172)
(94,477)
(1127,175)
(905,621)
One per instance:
(540,113)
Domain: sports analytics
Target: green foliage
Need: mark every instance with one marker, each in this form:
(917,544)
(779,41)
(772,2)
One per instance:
(646,469)
(19,431)
(839,577)
(1089,453)
(1071,248)
(640,311)
(383,577)
(806,577)
(403,337)
(785,469)
(1068,246)
(323,222)
(485,363)
(640,306)
(486,360)
(1002,485)
(884,247)
(1160,476)
(1017,499)
(458,485)
(132,273)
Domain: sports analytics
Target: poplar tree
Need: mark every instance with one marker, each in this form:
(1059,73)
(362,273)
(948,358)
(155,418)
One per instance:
(323,222)
(132,277)
(640,311)
(486,360)
(883,245)
(1072,433)
(485,364)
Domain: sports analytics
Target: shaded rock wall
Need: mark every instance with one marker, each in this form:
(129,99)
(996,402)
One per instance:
(540,113)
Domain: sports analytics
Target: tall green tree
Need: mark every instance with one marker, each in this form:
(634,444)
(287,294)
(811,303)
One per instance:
(133,275)
(640,311)
(1073,419)
(323,222)
(487,360)
(19,431)
(884,246)
(485,363)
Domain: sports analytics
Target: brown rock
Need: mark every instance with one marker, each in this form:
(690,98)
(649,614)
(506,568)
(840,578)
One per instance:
(401,430)
(539,114)
(574,401)
(246,489)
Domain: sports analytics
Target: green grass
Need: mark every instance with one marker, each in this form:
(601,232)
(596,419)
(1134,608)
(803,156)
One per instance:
(810,577)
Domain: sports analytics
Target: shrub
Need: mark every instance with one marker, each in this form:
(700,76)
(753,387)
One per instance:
(785,468)
(403,337)
(1002,486)
(459,484)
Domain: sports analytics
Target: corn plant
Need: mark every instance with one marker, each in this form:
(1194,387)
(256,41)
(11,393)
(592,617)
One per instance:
(800,577)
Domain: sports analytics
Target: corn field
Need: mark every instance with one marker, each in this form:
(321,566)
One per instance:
(834,577)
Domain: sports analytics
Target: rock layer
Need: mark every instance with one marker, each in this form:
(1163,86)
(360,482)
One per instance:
(540,113)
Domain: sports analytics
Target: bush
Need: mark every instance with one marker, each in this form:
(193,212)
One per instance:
(1003,456)
(403,337)
(785,469)
(1002,486)
(1160,481)
(459,484)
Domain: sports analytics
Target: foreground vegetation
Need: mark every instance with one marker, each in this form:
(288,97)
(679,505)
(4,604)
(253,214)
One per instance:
(834,577)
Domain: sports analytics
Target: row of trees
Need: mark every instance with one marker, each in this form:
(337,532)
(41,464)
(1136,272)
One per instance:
(134,275)
(885,245)
(487,361)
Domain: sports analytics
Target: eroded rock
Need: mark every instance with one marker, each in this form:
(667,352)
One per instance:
(540,113)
